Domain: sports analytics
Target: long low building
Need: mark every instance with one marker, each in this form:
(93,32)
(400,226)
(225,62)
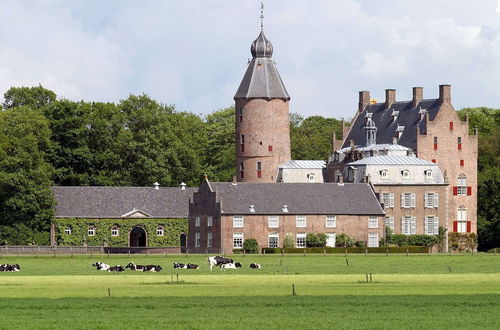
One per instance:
(223,214)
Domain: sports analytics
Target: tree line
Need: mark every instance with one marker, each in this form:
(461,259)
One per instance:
(46,140)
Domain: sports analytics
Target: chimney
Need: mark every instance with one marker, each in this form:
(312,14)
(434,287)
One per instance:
(444,94)
(183,186)
(418,95)
(157,185)
(390,97)
(235,182)
(364,100)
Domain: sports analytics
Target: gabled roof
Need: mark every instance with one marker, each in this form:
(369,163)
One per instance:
(300,198)
(392,160)
(115,202)
(408,117)
(305,164)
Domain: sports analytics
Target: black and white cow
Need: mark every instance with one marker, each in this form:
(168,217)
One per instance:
(101,265)
(135,267)
(218,261)
(116,268)
(10,268)
(255,266)
(180,266)
(192,266)
(152,268)
(232,265)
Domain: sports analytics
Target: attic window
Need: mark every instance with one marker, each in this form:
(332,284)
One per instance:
(285,208)
(428,174)
(400,130)
(311,178)
(251,208)
(383,174)
(422,113)
(405,174)
(368,115)
(394,115)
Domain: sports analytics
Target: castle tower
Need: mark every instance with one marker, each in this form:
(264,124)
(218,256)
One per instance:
(262,123)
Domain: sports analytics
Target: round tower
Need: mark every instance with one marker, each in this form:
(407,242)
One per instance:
(262,119)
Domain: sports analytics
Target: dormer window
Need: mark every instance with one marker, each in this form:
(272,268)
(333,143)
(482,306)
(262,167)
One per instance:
(394,115)
(422,113)
(383,175)
(252,208)
(405,174)
(311,178)
(428,174)
(285,208)
(400,130)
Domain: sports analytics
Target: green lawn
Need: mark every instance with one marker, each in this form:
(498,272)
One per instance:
(437,291)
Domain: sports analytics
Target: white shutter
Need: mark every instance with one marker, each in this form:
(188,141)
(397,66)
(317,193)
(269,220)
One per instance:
(391,200)
(381,197)
(436,200)
(402,200)
(436,225)
(413,226)
(403,225)
(426,200)
(413,199)
(426,223)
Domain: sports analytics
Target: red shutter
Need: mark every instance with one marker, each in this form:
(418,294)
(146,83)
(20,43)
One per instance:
(451,125)
(269,148)
(433,160)
(469,191)
(455,190)
(242,147)
(459,146)
(259,174)
(461,162)
(435,146)
(455,226)
(242,174)
(468,226)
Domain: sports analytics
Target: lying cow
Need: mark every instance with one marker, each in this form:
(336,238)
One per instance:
(135,267)
(232,265)
(101,265)
(185,266)
(255,266)
(10,268)
(218,261)
(152,268)
(116,268)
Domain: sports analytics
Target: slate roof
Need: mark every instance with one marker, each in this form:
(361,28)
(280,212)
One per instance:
(114,202)
(305,164)
(408,117)
(262,80)
(391,160)
(300,198)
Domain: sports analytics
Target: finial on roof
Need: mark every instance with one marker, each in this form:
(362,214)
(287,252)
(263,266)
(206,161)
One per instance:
(205,176)
(261,47)
(262,16)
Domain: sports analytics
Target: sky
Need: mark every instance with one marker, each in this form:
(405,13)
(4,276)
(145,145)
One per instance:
(193,54)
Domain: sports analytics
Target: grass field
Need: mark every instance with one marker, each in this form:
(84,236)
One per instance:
(437,291)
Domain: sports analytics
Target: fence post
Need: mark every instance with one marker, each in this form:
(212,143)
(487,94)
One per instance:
(345,251)
(386,252)
(305,252)
(128,252)
(495,251)
(147,252)
(324,252)
(366,252)
(407,253)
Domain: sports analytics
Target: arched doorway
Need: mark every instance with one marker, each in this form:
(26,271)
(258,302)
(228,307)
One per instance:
(183,242)
(137,237)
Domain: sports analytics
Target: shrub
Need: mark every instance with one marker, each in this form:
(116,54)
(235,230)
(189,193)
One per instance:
(360,244)
(344,240)
(462,241)
(288,241)
(322,238)
(250,245)
(316,240)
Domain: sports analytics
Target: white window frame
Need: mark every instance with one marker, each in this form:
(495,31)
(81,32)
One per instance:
(462,219)
(238,240)
(389,222)
(408,200)
(384,175)
(431,225)
(197,221)
(238,221)
(300,240)
(273,221)
(408,225)
(209,221)
(91,231)
(388,199)
(115,231)
(428,174)
(301,221)
(160,231)
(275,242)
(372,222)
(431,200)
(462,185)
(331,221)
(311,178)
(373,240)
(209,239)
(196,239)
(331,239)
(405,174)
(461,226)
(67,230)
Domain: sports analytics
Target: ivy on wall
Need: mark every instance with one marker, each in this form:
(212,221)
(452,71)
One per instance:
(173,228)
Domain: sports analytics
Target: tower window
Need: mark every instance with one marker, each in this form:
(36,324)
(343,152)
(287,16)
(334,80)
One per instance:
(259,169)
(269,148)
(242,170)
(242,143)
(459,143)
(240,113)
(451,126)
(435,143)
(462,162)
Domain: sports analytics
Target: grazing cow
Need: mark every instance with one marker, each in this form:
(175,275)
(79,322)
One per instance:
(192,266)
(255,266)
(10,268)
(218,261)
(152,268)
(116,268)
(180,266)
(135,267)
(101,265)
(232,265)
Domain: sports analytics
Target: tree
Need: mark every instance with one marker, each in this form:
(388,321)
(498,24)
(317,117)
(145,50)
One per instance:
(33,97)
(25,197)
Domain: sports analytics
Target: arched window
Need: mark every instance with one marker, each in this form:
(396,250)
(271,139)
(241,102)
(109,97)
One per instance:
(115,231)
(160,231)
(67,231)
(383,174)
(462,185)
(91,231)
(310,177)
(428,174)
(405,174)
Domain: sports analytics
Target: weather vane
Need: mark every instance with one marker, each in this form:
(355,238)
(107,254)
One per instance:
(262,16)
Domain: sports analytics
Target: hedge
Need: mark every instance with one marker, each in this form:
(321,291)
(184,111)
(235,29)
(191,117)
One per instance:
(494,250)
(394,249)
(173,228)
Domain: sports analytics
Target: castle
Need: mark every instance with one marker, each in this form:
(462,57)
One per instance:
(407,165)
